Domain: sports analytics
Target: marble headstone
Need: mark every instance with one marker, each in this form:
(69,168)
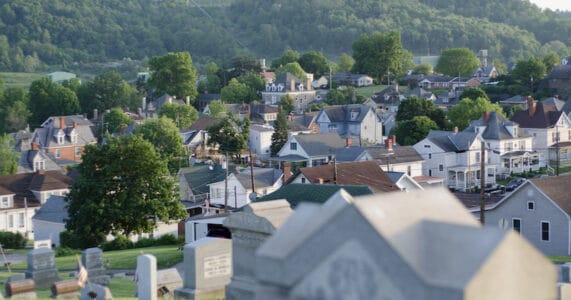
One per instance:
(92,260)
(41,267)
(100,292)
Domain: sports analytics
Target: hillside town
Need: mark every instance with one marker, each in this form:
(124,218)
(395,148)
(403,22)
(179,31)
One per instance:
(425,189)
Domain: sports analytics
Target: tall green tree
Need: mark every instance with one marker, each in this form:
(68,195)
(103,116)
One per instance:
(230,135)
(415,107)
(174,74)
(425,69)
(344,97)
(115,119)
(280,135)
(529,72)
(125,188)
(379,55)
(345,63)
(16,117)
(216,108)
(287,57)
(236,92)
(457,62)
(181,114)
(474,93)
(8,156)
(468,110)
(50,99)
(107,91)
(314,62)
(410,132)
(213,82)
(255,83)
(287,104)
(164,136)
(294,68)
(551,60)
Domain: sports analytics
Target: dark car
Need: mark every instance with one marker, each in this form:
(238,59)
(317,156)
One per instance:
(514,183)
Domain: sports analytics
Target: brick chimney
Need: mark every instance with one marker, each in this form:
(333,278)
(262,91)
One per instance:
(309,80)
(320,180)
(35,146)
(390,144)
(292,85)
(41,171)
(348,142)
(455,129)
(287,171)
(74,124)
(485,116)
(61,122)
(394,139)
(530,106)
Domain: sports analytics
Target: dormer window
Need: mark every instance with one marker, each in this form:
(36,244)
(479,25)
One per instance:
(5,202)
(354,115)
(515,131)
(73,136)
(39,165)
(60,136)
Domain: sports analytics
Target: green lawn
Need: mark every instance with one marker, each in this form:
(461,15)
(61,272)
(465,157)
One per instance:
(21,80)
(368,91)
(124,260)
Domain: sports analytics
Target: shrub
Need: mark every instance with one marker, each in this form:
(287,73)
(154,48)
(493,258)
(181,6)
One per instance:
(66,251)
(12,240)
(145,242)
(69,240)
(167,239)
(119,243)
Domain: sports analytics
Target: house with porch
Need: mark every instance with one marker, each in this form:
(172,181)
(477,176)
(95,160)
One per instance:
(508,146)
(357,121)
(551,131)
(346,78)
(311,149)
(389,99)
(455,156)
(299,89)
(195,138)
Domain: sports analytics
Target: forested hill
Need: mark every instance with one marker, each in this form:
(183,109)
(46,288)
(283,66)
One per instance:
(62,32)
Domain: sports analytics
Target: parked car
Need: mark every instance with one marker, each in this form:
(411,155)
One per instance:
(514,183)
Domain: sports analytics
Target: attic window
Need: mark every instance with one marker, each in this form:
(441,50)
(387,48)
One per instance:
(5,203)
(354,115)
(426,146)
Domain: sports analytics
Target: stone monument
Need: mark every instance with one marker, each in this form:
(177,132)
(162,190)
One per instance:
(92,260)
(250,228)
(167,281)
(100,292)
(207,269)
(41,267)
(147,277)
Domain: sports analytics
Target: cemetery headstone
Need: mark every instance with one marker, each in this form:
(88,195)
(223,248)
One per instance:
(41,267)
(147,277)
(96,292)
(167,281)
(207,269)
(92,259)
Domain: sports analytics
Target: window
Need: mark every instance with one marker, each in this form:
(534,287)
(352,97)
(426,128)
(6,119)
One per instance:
(429,155)
(10,221)
(429,172)
(58,153)
(5,202)
(293,146)
(544,231)
(477,157)
(302,179)
(77,151)
(530,205)
(516,225)
(21,221)
(440,168)
(426,146)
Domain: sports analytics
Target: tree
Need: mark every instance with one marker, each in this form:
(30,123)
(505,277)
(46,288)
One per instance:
(164,136)
(16,117)
(183,115)
(255,83)
(457,62)
(174,74)
(344,97)
(529,72)
(213,82)
(293,68)
(8,156)
(115,119)
(216,108)
(287,57)
(468,110)
(500,66)
(410,132)
(415,107)
(379,54)
(314,62)
(244,64)
(287,103)
(424,69)
(280,135)
(236,92)
(124,187)
(107,91)
(551,60)
(474,93)
(346,62)
(50,99)
(230,135)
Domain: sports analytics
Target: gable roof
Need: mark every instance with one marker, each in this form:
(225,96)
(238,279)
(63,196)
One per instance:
(320,144)
(54,210)
(398,155)
(449,141)
(77,124)
(495,125)
(558,188)
(347,113)
(355,173)
(296,193)
(560,72)
(199,176)
(542,117)
(302,122)
(263,177)
(554,102)
(203,123)
(349,154)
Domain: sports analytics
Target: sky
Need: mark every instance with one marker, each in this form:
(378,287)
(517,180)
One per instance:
(553,4)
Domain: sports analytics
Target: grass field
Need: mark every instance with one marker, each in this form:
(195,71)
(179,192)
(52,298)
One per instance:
(122,260)
(21,80)
(368,91)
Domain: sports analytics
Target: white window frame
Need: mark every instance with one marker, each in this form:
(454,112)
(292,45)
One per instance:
(57,153)
(5,202)
(533,204)
(520,227)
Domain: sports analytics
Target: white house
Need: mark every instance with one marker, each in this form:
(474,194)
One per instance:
(260,139)
(239,186)
(357,121)
(313,149)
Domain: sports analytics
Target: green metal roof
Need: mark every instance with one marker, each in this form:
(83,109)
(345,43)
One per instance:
(317,193)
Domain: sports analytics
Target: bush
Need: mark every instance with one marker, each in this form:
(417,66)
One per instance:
(145,242)
(12,240)
(69,240)
(119,243)
(167,239)
(66,251)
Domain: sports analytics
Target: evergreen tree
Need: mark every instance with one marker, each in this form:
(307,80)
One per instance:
(280,135)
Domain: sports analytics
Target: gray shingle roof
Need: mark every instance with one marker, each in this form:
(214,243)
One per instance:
(296,193)
(344,113)
(263,177)
(348,154)
(495,127)
(452,142)
(399,154)
(54,210)
(320,144)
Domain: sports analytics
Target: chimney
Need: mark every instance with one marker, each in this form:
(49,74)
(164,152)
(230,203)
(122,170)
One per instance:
(41,171)
(287,171)
(485,116)
(348,142)
(455,129)
(390,145)
(320,180)
(95,115)
(292,85)
(309,80)
(35,146)
(74,124)
(530,106)
(394,139)
(85,116)
(61,122)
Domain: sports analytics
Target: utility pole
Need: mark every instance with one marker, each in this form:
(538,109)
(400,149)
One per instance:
(252,172)
(482,180)
(226,184)
(556,151)
(334,170)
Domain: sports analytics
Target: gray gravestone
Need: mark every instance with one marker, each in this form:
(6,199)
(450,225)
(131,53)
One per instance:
(92,260)
(250,228)
(146,277)
(564,272)
(167,281)
(207,269)
(100,292)
(41,267)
